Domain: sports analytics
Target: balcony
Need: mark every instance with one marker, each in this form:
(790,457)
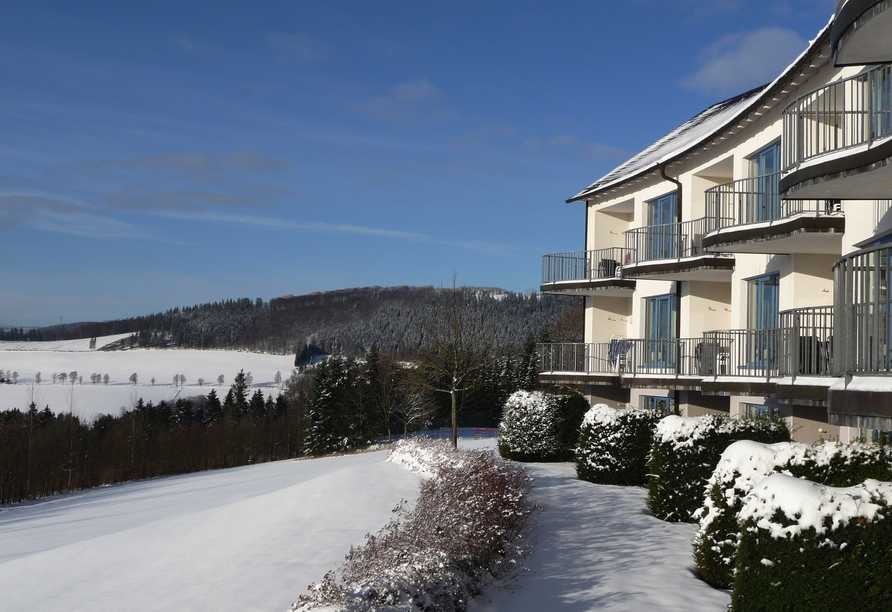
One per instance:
(860,32)
(838,140)
(740,361)
(806,359)
(863,352)
(749,216)
(675,251)
(587,273)
(671,363)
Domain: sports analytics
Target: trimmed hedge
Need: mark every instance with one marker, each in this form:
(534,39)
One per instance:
(807,547)
(614,444)
(539,426)
(745,464)
(685,452)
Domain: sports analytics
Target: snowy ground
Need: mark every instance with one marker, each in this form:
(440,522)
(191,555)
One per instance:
(86,400)
(253,538)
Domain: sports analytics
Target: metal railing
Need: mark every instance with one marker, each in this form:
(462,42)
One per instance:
(756,199)
(807,341)
(583,265)
(863,306)
(740,352)
(583,358)
(669,241)
(628,356)
(844,114)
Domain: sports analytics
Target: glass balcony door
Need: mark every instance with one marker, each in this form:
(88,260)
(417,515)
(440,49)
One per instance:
(762,318)
(764,203)
(660,314)
(661,218)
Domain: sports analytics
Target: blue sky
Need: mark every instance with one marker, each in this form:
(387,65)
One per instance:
(161,154)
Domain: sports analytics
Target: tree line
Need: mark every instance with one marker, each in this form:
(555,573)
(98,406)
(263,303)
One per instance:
(340,404)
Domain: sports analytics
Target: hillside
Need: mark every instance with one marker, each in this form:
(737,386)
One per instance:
(346,321)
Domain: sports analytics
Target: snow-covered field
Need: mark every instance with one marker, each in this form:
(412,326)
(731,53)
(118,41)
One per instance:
(87,399)
(253,538)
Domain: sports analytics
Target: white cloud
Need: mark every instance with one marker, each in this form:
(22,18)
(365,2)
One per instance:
(738,62)
(407,101)
(298,47)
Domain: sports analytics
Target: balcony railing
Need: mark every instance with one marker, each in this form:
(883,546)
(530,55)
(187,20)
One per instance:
(741,352)
(807,340)
(583,265)
(863,306)
(577,357)
(627,356)
(842,115)
(669,241)
(756,199)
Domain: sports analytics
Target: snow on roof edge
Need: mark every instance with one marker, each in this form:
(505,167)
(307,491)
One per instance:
(709,121)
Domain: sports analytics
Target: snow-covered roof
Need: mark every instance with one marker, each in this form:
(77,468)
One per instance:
(697,130)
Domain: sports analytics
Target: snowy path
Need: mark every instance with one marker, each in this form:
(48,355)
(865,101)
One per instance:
(253,538)
(597,549)
(243,539)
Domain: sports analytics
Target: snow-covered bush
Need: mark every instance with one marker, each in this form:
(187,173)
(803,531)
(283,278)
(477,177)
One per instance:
(466,531)
(807,547)
(685,452)
(614,444)
(745,464)
(539,426)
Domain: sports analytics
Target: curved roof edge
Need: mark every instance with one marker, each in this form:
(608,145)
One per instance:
(699,129)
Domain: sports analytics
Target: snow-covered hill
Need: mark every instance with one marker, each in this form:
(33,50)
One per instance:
(87,399)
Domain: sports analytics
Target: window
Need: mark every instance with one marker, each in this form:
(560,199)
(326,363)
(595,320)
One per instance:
(763,204)
(659,315)
(762,315)
(760,411)
(661,218)
(762,302)
(662,405)
(659,328)
(881,101)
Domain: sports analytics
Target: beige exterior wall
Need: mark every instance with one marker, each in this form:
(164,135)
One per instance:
(607,318)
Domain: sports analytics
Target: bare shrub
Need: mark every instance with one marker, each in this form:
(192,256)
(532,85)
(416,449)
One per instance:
(468,530)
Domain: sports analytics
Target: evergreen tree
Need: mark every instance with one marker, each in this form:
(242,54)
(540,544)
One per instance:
(213,408)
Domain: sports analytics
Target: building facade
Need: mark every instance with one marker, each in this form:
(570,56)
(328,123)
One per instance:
(742,264)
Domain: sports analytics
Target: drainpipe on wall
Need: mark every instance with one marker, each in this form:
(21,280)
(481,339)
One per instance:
(678,216)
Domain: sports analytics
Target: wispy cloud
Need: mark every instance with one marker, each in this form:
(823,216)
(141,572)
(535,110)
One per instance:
(252,161)
(190,46)
(573,143)
(741,61)
(297,47)
(407,100)
(280,225)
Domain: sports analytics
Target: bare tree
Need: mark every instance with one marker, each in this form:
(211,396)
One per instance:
(63,377)
(37,378)
(105,379)
(15,378)
(220,380)
(456,349)
(133,378)
(200,382)
(72,377)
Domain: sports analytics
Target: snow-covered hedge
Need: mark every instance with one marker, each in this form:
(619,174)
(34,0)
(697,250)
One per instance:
(539,426)
(685,452)
(745,464)
(614,444)
(467,530)
(807,547)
